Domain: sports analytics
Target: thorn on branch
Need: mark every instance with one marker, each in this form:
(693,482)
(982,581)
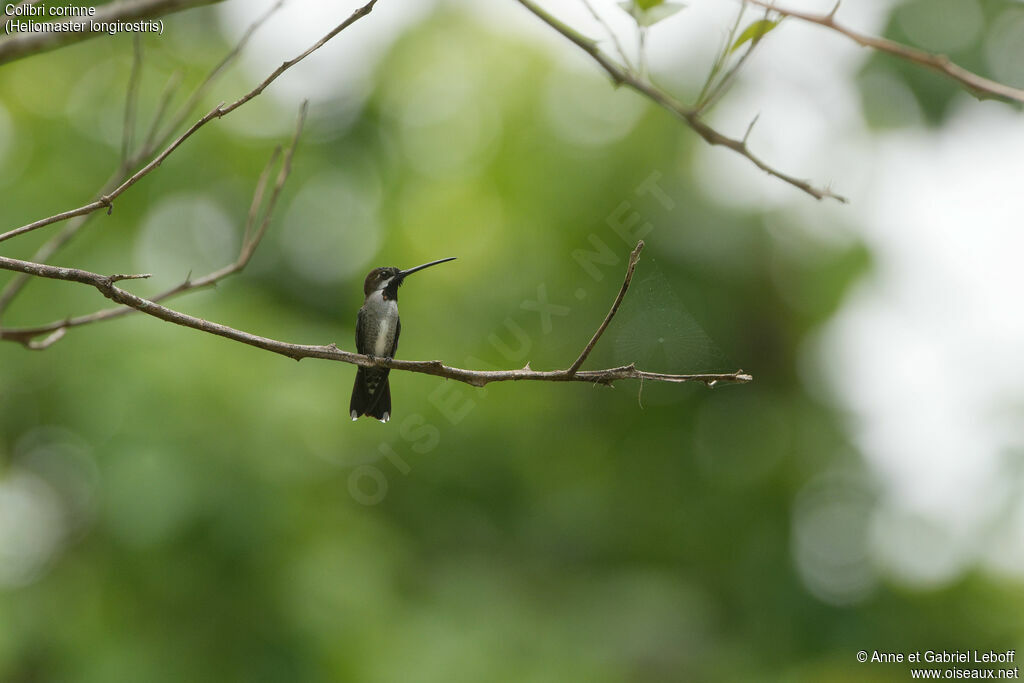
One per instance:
(750,128)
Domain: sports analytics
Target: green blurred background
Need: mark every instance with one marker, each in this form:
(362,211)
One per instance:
(174,506)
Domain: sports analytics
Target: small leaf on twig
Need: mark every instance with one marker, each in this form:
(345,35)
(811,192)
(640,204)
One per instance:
(755,32)
(650,12)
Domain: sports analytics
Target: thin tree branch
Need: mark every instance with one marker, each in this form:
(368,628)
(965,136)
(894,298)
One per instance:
(48,249)
(163,104)
(153,141)
(611,34)
(939,63)
(688,115)
(131,101)
(217,112)
(252,235)
(709,97)
(186,109)
(249,240)
(22,45)
(720,60)
(633,258)
(478,378)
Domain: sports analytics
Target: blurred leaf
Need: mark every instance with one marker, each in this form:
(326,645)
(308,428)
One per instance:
(650,12)
(754,32)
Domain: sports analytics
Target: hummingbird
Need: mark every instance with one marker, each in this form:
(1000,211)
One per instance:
(377,330)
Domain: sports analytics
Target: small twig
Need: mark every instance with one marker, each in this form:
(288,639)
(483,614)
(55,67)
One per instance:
(131,100)
(257,200)
(282,176)
(633,258)
(709,98)
(939,63)
(687,115)
(217,112)
(47,342)
(723,56)
(193,100)
(478,378)
(250,240)
(750,127)
(137,276)
(641,46)
(163,104)
(611,34)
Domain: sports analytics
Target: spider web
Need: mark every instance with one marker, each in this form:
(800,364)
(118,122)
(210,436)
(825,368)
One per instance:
(657,332)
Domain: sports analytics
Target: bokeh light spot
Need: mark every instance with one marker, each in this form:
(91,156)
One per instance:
(31,526)
(332,229)
(186,233)
(583,110)
(914,550)
(831,521)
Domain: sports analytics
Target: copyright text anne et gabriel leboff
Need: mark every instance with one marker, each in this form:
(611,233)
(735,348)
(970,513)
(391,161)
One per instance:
(69,19)
(958,664)
(940,656)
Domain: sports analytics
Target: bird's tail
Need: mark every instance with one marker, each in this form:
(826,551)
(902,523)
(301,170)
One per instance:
(371,394)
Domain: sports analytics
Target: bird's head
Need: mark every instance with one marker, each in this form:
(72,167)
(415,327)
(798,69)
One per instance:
(380,278)
(390,279)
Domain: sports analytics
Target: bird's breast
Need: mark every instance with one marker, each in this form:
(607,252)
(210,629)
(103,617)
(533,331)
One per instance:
(382,345)
(382,324)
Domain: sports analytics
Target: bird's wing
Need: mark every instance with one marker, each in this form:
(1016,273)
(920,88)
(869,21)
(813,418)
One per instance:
(360,323)
(398,331)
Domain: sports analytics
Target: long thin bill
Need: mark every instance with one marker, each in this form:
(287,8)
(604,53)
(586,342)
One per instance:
(425,265)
